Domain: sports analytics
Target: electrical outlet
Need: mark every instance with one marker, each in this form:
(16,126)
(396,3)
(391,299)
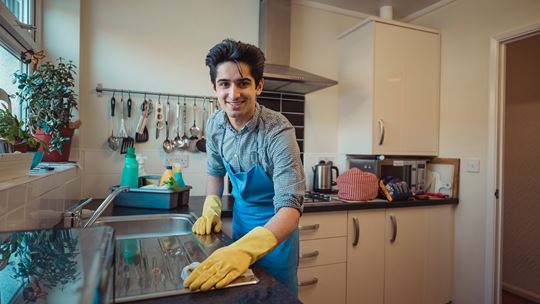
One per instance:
(184,160)
(473,165)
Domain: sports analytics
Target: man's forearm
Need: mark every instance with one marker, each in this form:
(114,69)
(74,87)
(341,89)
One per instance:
(214,185)
(283,223)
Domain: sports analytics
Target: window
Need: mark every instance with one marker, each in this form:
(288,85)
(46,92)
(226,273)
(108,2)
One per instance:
(21,9)
(10,64)
(19,24)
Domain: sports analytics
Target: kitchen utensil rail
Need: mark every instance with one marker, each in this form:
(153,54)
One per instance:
(100,89)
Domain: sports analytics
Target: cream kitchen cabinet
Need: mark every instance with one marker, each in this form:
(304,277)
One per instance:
(322,264)
(389,89)
(365,256)
(418,255)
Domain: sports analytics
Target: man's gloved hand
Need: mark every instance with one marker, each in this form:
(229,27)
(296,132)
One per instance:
(211,216)
(228,263)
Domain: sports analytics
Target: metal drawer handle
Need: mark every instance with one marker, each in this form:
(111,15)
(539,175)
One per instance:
(381,131)
(309,255)
(394,228)
(308,282)
(356,231)
(314,227)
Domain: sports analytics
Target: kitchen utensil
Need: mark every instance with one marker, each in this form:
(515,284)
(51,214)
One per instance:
(178,143)
(322,177)
(201,143)
(142,131)
(113,141)
(194,130)
(168,146)
(128,141)
(159,117)
(185,139)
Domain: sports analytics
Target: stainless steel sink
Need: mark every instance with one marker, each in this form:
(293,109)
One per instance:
(151,251)
(145,226)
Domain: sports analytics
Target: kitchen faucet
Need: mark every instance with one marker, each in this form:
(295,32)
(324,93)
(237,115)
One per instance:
(73,216)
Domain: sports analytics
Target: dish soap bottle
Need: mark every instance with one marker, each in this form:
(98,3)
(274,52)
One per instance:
(166,176)
(178,176)
(130,172)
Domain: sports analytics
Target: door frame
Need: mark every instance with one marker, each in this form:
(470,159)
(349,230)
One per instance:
(494,167)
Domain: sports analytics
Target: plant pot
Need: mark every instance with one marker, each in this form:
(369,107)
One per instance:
(21,147)
(55,156)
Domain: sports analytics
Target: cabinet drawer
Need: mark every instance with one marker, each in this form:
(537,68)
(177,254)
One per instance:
(322,252)
(323,225)
(322,284)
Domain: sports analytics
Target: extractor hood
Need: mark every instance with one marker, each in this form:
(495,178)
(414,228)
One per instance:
(274,40)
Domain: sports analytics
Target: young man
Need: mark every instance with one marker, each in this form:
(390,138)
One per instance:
(257,148)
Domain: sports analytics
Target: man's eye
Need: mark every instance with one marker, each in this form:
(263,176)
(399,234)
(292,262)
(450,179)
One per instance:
(223,84)
(244,84)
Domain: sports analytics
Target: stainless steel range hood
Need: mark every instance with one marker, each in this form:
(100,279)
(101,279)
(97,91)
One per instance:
(274,40)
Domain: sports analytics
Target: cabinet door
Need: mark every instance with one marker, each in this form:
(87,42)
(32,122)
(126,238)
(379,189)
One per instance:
(405,255)
(406,90)
(439,254)
(365,256)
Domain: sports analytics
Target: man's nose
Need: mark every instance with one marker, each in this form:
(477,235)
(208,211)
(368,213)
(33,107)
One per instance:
(234,91)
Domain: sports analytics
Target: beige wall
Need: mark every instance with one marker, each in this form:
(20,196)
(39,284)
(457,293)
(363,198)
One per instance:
(466,28)
(156,46)
(521,250)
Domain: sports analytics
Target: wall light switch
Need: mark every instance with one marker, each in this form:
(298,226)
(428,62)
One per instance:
(473,165)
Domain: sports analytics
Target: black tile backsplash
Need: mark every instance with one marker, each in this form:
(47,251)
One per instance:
(292,106)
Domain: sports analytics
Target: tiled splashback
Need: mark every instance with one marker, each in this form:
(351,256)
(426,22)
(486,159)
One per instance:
(291,106)
(38,202)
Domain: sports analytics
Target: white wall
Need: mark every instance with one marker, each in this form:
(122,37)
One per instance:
(157,46)
(466,28)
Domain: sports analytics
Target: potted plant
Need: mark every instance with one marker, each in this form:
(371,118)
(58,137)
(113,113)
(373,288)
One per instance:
(12,130)
(49,98)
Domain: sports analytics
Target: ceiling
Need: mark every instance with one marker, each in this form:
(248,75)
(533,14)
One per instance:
(401,8)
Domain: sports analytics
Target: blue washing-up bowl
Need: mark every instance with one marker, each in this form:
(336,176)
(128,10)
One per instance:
(38,156)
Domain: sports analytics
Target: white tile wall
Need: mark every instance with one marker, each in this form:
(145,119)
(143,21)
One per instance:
(38,202)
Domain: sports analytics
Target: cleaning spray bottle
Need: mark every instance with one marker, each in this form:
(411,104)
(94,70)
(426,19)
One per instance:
(178,175)
(130,172)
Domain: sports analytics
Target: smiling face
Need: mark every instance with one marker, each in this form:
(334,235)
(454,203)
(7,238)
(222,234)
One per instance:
(237,92)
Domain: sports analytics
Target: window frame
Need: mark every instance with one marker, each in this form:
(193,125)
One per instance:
(14,38)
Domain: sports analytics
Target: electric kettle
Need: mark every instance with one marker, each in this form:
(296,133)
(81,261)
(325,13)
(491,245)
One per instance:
(323,179)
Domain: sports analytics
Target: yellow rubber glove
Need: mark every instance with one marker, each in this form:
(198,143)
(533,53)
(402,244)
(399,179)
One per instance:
(228,263)
(211,216)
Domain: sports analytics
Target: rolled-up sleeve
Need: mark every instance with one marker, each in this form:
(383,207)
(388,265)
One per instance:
(288,172)
(214,163)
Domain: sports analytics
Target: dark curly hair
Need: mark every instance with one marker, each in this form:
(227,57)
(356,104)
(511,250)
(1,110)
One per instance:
(230,50)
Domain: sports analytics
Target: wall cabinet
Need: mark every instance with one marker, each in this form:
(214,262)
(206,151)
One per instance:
(389,82)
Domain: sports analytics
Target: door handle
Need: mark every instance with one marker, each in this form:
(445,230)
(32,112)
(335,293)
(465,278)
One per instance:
(309,255)
(313,227)
(309,282)
(356,231)
(394,228)
(381,131)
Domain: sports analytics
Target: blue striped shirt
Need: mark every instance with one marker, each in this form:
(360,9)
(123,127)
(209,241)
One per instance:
(274,144)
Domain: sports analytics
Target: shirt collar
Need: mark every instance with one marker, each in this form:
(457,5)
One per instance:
(250,125)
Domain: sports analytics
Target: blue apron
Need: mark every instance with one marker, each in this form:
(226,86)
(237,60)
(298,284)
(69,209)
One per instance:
(253,193)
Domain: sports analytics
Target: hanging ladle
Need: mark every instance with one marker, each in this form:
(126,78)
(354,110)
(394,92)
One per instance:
(168,146)
(201,143)
(194,130)
(178,142)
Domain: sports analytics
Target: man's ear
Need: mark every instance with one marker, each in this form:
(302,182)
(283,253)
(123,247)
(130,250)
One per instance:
(260,86)
(213,85)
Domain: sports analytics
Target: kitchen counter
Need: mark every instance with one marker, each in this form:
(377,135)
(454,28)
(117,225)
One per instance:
(268,290)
